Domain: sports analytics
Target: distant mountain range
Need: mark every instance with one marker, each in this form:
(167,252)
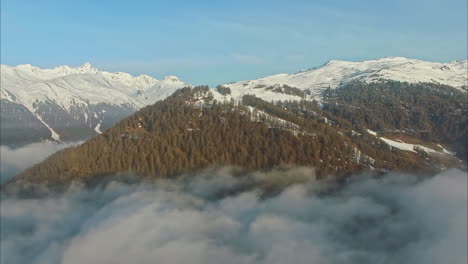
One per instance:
(69,104)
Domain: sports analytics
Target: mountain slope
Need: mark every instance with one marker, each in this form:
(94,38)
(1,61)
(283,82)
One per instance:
(65,104)
(190,130)
(336,73)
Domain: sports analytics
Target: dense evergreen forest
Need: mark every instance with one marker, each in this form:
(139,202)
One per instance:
(190,130)
(431,112)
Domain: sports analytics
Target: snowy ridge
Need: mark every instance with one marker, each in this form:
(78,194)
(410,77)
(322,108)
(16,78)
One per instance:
(335,73)
(83,97)
(68,86)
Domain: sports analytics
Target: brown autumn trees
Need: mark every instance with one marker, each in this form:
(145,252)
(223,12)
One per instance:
(189,131)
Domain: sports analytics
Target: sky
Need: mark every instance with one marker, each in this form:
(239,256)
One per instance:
(213,42)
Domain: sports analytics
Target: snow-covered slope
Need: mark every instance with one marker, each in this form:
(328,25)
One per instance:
(65,98)
(85,84)
(335,73)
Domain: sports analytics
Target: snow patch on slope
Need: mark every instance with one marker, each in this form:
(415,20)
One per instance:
(372,132)
(412,147)
(54,134)
(98,128)
(398,144)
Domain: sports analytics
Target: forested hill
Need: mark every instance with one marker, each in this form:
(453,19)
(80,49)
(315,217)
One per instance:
(426,111)
(190,130)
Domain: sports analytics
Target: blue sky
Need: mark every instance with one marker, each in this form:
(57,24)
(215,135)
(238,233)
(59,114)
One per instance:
(212,42)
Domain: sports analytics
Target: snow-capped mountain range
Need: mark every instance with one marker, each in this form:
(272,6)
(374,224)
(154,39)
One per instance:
(335,73)
(67,104)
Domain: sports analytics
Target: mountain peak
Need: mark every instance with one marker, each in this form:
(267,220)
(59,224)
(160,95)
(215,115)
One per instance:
(146,78)
(332,62)
(171,78)
(394,58)
(87,68)
(384,59)
(26,67)
(86,65)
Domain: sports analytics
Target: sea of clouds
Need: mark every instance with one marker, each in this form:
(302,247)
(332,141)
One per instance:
(216,217)
(14,160)
(281,216)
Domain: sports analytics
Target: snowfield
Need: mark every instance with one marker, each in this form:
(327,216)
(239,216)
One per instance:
(67,86)
(336,73)
(83,97)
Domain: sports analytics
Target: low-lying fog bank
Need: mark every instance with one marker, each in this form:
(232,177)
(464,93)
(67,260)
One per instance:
(14,160)
(217,218)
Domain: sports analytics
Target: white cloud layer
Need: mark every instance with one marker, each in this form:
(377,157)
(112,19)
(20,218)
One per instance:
(397,219)
(14,160)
